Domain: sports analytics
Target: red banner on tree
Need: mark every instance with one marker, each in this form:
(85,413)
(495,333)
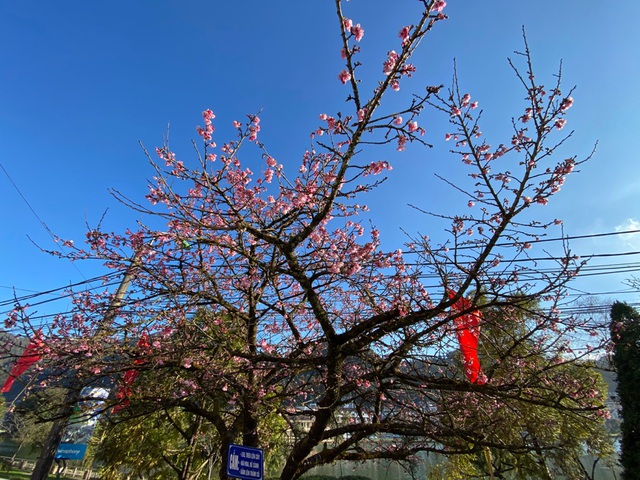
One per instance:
(124,392)
(468,333)
(30,356)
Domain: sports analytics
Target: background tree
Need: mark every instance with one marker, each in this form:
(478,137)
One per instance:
(625,335)
(164,444)
(307,315)
(180,441)
(29,420)
(547,442)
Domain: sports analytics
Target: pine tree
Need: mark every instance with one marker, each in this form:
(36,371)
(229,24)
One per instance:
(625,334)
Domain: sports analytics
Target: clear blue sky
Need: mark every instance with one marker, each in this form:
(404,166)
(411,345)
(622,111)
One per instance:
(82,82)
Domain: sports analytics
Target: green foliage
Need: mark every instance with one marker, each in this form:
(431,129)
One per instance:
(540,428)
(625,335)
(18,475)
(3,410)
(30,423)
(168,451)
(272,431)
(331,477)
(163,444)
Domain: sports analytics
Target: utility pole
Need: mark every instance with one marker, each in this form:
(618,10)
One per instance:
(48,451)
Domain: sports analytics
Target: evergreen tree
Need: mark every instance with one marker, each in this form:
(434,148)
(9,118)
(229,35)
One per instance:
(625,335)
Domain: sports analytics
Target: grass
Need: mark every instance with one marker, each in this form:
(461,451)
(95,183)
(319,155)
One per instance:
(18,475)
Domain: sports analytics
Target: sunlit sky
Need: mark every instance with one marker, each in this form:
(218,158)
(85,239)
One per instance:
(83,82)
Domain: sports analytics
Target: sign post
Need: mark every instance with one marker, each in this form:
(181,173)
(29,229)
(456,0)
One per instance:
(245,463)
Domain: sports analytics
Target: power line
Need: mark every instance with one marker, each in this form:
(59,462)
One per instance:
(24,199)
(26,298)
(475,244)
(579,237)
(35,214)
(587,270)
(530,274)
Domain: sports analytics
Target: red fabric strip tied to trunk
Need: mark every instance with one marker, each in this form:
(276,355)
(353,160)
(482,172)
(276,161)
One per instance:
(468,333)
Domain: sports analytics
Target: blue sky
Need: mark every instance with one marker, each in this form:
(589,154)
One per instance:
(83,82)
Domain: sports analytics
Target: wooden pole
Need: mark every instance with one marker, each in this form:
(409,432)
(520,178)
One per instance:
(48,451)
(489,460)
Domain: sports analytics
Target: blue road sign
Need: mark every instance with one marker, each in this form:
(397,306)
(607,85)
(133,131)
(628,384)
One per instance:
(71,451)
(245,463)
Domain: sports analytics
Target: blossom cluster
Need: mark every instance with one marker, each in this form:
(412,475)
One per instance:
(207,131)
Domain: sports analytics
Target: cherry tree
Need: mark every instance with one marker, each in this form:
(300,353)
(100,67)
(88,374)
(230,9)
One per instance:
(263,293)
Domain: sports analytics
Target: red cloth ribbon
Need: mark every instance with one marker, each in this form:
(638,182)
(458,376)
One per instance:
(468,332)
(124,392)
(29,356)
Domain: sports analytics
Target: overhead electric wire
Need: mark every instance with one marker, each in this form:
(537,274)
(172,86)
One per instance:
(587,270)
(67,295)
(25,300)
(44,225)
(531,275)
(540,240)
(18,289)
(579,237)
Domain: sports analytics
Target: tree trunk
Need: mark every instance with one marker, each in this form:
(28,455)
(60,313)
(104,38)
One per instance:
(48,451)
(224,454)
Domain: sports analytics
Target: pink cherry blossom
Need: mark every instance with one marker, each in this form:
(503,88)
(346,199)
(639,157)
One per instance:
(205,133)
(208,129)
(559,123)
(347,23)
(566,104)
(397,120)
(208,115)
(344,76)
(375,168)
(404,34)
(438,6)
(413,126)
(392,58)
(254,129)
(358,32)
(528,115)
